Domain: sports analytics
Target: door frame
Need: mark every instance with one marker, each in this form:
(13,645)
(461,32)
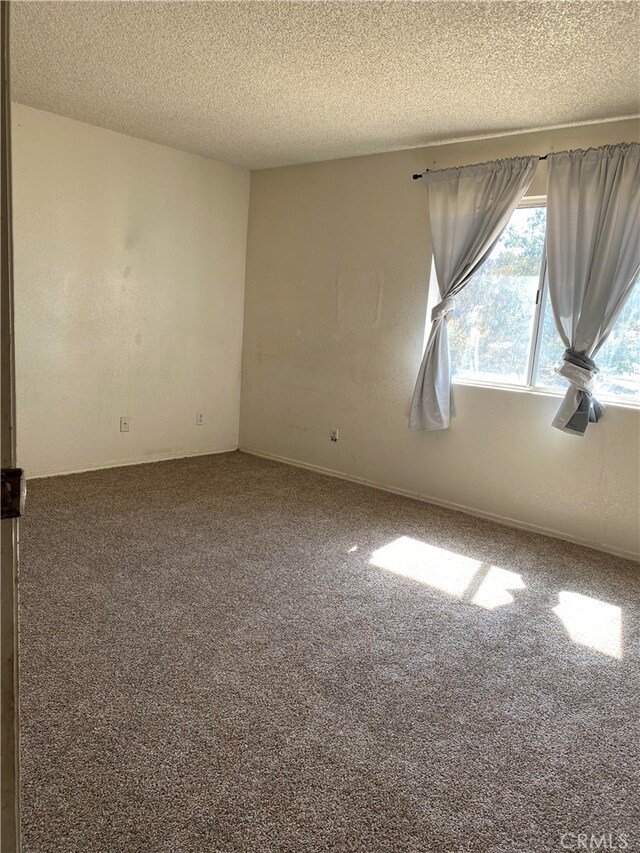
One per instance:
(9,703)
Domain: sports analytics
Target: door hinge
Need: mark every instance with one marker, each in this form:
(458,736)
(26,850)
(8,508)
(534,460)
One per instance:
(14,492)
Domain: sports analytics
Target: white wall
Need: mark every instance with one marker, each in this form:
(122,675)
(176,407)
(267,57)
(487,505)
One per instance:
(129,285)
(336,291)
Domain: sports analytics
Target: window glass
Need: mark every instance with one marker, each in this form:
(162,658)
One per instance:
(618,358)
(491,328)
(549,352)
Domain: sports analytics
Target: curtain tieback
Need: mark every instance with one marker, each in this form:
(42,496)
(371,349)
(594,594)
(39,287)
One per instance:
(443,308)
(581,372)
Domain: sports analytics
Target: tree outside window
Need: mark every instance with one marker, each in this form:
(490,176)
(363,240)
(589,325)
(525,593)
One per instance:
(503,332)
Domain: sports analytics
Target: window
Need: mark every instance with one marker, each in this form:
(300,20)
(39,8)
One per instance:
(503,333)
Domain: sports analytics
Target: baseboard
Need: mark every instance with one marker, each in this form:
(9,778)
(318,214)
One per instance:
(100,466)
(478,513)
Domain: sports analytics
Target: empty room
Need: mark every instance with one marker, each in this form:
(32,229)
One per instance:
(320,427)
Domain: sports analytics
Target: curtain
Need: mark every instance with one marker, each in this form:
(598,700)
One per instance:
(469,209)
(593,259)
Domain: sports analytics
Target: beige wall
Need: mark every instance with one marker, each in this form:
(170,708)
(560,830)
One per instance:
(336,291)
(129,286)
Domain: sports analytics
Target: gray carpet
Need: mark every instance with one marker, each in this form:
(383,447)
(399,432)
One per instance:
(209,665)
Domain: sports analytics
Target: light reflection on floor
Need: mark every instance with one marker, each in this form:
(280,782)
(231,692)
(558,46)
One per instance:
(494,590)
(589,622)
(433,566)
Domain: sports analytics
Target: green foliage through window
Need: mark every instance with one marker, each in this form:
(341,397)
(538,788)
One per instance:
(491,331)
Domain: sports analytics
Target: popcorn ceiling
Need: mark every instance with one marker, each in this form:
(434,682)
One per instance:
(268,83)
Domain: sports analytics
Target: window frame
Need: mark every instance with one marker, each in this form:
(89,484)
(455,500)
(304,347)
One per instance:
(541,297)
(536,339)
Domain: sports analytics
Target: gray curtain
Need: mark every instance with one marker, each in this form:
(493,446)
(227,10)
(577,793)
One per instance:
(469,209)
(593,260)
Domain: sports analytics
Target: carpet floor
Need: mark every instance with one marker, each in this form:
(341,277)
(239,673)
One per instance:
(226,654)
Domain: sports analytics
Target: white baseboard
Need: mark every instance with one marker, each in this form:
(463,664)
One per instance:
(478,513)
(99,466)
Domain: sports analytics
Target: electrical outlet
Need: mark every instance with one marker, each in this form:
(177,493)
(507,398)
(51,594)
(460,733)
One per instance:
(199,418)
(333,433)
(124,424)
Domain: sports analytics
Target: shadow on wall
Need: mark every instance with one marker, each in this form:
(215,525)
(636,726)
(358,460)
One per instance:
(589,622)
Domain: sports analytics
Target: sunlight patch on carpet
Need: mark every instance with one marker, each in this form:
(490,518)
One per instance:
(436,567)
(494,591)
(591,622)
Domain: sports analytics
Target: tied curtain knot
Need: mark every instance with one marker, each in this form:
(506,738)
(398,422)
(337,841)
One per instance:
(581,372)
(469,208)
(443,308)
(593,259)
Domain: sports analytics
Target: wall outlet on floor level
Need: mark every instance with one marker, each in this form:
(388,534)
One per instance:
(333,433)
(199,418)
(124,424)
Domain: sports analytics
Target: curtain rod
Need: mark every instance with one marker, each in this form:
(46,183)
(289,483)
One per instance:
(417,177)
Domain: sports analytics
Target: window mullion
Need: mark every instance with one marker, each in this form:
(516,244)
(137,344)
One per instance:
(538,322)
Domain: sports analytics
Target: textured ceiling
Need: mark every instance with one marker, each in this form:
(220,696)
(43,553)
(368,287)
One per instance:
(269,83)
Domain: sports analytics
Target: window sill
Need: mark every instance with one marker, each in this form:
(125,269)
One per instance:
(618,402)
